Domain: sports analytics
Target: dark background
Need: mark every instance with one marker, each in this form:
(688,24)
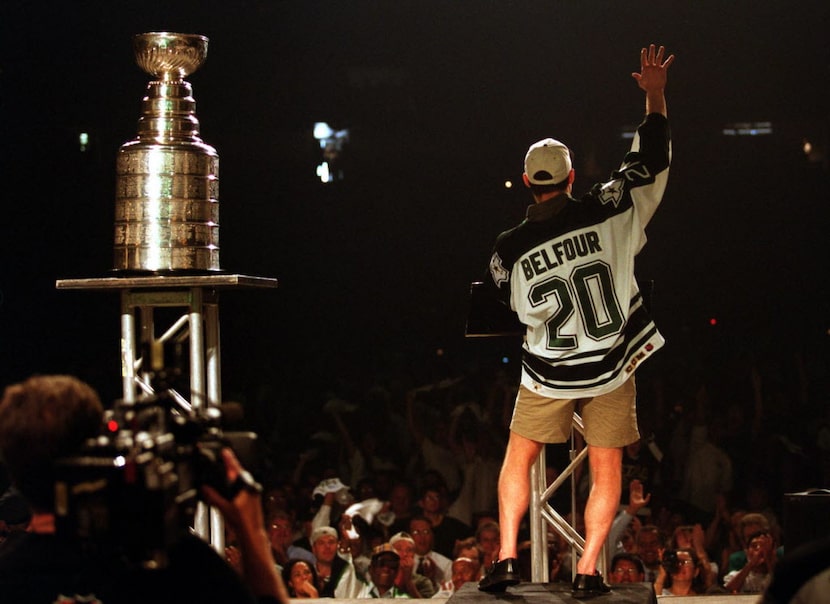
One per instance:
(442,99)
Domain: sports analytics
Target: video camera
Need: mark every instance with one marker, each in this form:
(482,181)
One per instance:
(132,491)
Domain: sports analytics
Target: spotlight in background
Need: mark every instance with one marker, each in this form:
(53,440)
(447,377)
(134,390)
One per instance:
(332,145)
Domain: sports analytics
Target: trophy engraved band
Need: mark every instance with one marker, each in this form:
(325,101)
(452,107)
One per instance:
(167,187)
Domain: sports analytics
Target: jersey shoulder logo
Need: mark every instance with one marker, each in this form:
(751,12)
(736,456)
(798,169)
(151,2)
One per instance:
(611,192)
(497,271)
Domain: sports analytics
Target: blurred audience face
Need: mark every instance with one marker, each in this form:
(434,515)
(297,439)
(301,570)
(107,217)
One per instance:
(400,500)
(463,570)
(625,571)
(468,548)
(325,548)
(406,551)
(761,544)
(300,575)
(648,544)
(686,569)
(383,570)
(431,502)
(281,533)
(421,531)
(488,539)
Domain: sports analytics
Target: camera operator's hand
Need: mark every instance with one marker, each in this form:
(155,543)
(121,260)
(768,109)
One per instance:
(244,515)
(234,558)
(245,509)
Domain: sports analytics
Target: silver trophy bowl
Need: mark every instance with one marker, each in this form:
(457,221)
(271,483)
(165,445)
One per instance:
(170,56)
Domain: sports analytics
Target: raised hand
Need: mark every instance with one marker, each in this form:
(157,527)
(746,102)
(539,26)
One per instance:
(652,74)
(636,498)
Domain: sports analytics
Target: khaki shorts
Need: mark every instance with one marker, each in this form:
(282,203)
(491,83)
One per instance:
(610,419)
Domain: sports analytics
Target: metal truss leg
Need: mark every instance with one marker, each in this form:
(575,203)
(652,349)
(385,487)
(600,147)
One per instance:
(543,515)
(198,294)
(200,326)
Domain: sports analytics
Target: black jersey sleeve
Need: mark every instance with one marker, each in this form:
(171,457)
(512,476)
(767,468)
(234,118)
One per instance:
(652,150)
(642,177)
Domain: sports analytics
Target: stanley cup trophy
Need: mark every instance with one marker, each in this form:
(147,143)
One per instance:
(167,189)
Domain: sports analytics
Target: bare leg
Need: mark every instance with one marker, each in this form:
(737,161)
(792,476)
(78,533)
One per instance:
(603,503)
(514,490)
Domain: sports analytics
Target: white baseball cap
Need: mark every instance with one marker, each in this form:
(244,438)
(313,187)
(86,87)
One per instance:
(322,531)
(547,162)
(402,536)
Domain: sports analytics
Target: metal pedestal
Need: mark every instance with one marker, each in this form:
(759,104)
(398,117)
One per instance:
(198,295)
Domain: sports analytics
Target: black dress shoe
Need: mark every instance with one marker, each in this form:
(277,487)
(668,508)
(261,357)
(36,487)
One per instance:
(502,575)
(588,586)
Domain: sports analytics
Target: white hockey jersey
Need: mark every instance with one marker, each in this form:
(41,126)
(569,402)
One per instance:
(568,272)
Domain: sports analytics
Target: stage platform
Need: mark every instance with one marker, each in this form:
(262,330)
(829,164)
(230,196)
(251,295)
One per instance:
(546,593)
(554,593)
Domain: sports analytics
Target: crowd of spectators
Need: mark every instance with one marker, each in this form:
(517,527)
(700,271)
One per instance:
(703,491)
(386,485)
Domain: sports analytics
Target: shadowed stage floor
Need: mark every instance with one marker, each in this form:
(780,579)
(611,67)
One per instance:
(550,593)
(546,593)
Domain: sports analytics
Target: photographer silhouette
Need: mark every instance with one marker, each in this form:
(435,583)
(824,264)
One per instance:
(48,418)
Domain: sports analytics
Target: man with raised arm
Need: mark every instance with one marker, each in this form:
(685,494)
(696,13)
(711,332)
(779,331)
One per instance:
(568,272)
